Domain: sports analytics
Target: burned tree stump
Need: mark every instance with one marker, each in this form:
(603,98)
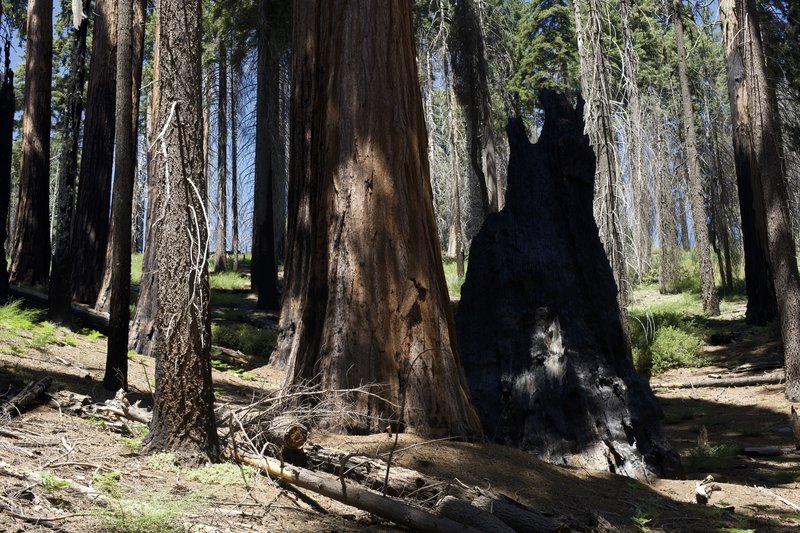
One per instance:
(539,329)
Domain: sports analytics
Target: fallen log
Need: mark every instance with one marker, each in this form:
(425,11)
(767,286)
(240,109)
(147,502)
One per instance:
(398,512)
(517,516)
(465,513)
(25,398)
(286,431)
(773,378)
(85,314)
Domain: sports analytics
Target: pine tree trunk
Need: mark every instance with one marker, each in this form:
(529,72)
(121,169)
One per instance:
(116,374)
(235,170)
(103,302)
(757,145)
(220,254)
(183,415)
(365,300)
(263,269)
(667,228)
(455,227)
(6,143)
(60,288)
(91,225)
(30,260)
(710,299)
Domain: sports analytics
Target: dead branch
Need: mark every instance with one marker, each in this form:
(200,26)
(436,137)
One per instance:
(398,512)
(773,378)
(780,498)
(25,398)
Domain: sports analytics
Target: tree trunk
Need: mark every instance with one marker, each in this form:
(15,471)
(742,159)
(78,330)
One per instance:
(60,289)
(455,227)
(6,143)
(103,302)
(30,260)
(600,129)
(143,333)
(220,255)
(116,374)
(538,323)
(757,145)
(365,299)
(263,269)
(183,414)
(91,226)
(667,229)
(468,57)
(235,169)
(699,217)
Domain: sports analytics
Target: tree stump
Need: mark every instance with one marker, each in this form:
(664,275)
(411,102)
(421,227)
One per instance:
(539,328)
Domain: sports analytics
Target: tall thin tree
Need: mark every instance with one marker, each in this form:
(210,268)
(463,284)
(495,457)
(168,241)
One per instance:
(60,288)
(6,143)
(220,255)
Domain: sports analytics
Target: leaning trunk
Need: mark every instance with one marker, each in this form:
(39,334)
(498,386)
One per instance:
(365,300)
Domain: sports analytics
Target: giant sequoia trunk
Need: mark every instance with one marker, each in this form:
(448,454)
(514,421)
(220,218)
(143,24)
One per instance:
(757,145)
(538,322)
(183,415)
(366,301)
(30,261)
(91,226)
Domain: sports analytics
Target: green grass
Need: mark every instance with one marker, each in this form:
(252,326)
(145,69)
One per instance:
(226,474)
(136,269)
(247,339)
(51,482)
(451,276)
(152,514)
(22,329)
(229,281)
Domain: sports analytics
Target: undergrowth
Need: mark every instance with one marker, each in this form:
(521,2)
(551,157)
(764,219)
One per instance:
(247,339)
(451,276)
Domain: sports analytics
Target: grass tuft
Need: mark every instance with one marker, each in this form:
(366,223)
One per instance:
(707,459)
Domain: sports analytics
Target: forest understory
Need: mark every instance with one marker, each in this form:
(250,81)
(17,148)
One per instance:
(65,472)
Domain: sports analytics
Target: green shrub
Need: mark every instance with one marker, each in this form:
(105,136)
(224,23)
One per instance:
(708,459)
(672,348)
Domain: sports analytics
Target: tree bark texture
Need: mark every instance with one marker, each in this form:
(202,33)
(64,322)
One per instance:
(103,302)
(143,333)
(263,269)
(30,260)
(757,147)
(538,323)
(91,226)
(455,165)
(667,227)
(220,249)
(470,70)
(365,299)
(183,415)
(6,143)
(699,216)
(60,289)
(116,372)
(235,169)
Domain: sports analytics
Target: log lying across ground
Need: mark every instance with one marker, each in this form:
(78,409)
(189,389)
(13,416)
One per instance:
(398,512)
(27,397)
(772,378)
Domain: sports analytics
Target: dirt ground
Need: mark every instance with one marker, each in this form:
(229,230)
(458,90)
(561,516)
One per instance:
(45,445)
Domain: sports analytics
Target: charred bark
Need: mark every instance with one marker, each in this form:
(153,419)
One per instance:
(539,324)
(60,288)
(365,298)
(183,415)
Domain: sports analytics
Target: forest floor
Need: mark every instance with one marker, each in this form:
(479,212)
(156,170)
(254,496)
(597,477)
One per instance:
(76,474)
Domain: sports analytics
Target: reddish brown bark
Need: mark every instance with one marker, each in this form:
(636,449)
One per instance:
(365,300)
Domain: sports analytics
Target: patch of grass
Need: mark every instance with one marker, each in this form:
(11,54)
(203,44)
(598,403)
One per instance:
(154,514)
(164,462)
(708,459)
(135,442)
(225,298)
(107,483)
(51,482)
(136,269)
(678,415)
(15,318)
(229,281)
(91,334)
(226,474)
(22,329)
(43,335)
(787,476)
(640,521)
(246,338)
(453,281)
(137,358)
